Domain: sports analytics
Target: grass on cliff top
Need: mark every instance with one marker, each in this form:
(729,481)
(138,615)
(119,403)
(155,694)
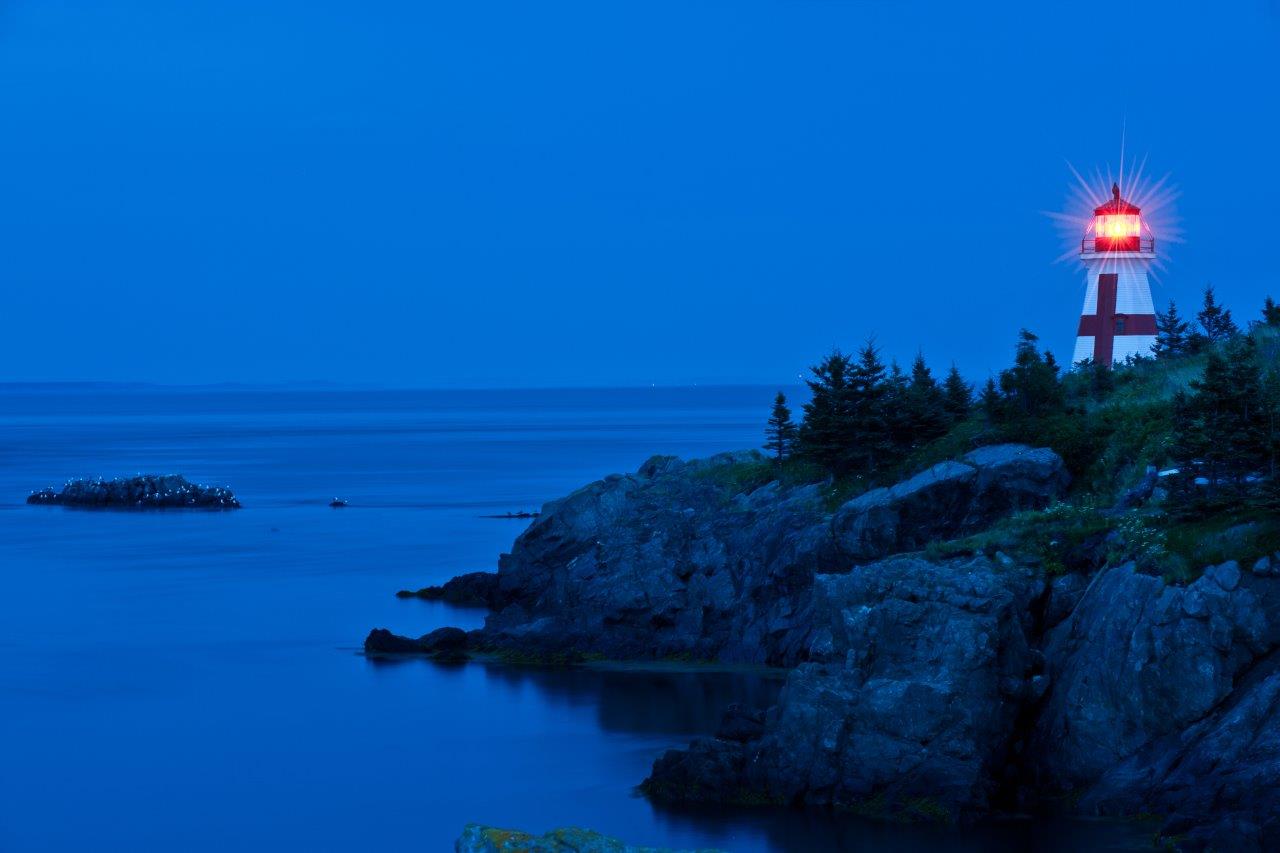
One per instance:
(1068,537)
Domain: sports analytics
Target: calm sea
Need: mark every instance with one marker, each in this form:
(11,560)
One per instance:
(193,681)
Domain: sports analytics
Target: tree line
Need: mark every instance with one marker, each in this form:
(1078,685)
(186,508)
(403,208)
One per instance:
(864,416)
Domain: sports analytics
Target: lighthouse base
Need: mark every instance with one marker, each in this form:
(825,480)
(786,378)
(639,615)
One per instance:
(1122,346)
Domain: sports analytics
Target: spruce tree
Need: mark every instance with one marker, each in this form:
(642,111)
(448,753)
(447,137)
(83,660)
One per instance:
(870,439)
(897,407)
(924,415)
(1215,321)
(1221,430)
(824,431)
(991,402)
(780,432)
(1270,312)
(957,396)
(1030,389)
(1171,333)
(1271,415)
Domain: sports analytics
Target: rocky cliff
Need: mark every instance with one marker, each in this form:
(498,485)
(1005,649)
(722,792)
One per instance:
(680,559)
(922,686)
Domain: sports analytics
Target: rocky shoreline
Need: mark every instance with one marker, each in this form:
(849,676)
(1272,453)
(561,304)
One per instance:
(144,491)
(940,686)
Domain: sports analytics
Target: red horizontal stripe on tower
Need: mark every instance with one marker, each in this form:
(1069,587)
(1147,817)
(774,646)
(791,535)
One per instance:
(1134,324)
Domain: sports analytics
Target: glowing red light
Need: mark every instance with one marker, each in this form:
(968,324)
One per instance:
(1113,226)
(1117,225)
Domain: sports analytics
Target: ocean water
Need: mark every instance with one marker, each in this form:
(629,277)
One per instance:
(186,680)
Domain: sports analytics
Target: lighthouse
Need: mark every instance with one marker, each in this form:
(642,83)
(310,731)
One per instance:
(1118,319)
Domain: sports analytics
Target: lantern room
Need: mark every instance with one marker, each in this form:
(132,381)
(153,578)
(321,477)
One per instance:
(1117,227)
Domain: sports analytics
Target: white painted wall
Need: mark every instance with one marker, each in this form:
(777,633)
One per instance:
(1124,346)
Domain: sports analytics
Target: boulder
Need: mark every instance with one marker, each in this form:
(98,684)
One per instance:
(145,491)
(442,643)
(382,641)
(948,500)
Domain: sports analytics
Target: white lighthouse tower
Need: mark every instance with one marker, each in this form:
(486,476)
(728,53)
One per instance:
(1118,319)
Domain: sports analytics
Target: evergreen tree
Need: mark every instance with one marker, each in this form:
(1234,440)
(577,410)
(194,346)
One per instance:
(1270,312)
(923,407)
(897,411)
(957,396)
(1171,333)
(992,405)
(1100,378)
(870,439)
(1271,415)
(1030,389)
(1215,320)
(1222,429)
(780,433)
(825,429)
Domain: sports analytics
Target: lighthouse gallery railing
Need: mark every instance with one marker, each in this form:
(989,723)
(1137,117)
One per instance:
(1094,246)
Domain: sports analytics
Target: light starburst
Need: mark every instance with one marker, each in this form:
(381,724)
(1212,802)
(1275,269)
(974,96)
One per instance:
(1156,196)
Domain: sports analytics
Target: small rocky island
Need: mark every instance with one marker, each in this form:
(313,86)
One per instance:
(144,491)
(961,644)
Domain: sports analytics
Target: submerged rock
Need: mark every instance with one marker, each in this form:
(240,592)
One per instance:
(487,839)
(142,491)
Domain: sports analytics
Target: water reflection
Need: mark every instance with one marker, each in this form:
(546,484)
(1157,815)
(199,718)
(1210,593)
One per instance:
(654,707)
(642,702)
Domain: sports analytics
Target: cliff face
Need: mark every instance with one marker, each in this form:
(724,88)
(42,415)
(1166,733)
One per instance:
(926,688)
(917,675)
(667,561)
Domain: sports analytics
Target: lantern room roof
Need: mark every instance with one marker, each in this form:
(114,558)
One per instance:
(1117,205)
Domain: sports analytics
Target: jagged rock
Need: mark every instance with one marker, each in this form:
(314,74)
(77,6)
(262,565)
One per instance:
(1139,659)
(145,491)
(948,500)
(475,589)
(907,707)
(682,558)
(487,839)
(679,558)
(1215,781)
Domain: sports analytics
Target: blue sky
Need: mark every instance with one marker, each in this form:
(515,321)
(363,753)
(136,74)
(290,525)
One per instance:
(528,194)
